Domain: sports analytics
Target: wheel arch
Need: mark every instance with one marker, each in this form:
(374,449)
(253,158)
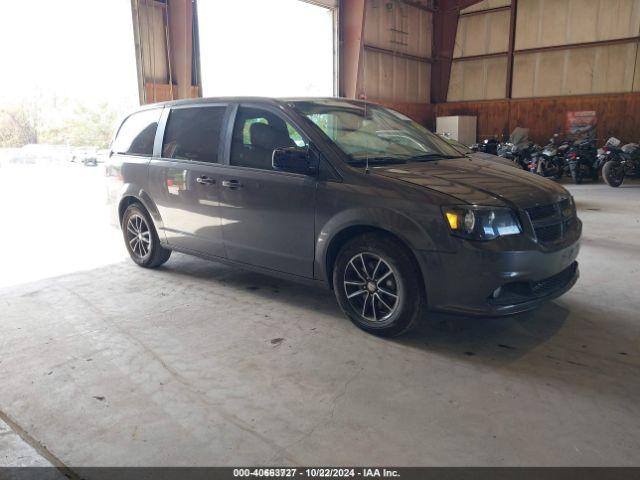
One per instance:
(349,232)
(130,196)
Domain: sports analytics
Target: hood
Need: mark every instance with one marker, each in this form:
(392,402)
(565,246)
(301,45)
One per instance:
(480,182)
(494,158)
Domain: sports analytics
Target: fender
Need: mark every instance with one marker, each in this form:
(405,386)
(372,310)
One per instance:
(394,222)
(130,190)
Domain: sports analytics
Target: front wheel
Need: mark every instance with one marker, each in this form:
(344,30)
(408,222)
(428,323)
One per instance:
(378,285)
(613,173)
(141,238)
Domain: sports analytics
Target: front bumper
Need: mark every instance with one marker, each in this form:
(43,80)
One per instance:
(466,282)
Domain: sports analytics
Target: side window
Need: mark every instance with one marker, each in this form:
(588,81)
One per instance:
(193,133)
(137,133)
(256,134)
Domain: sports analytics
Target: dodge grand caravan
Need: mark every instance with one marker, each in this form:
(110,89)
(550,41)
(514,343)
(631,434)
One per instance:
(346,194)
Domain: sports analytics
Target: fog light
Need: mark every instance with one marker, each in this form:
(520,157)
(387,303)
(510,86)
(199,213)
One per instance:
(496,292)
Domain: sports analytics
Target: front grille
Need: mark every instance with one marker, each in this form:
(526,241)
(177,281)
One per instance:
(549,233)
(542,211)
(551,222)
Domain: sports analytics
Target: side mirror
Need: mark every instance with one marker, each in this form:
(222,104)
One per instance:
(293,160)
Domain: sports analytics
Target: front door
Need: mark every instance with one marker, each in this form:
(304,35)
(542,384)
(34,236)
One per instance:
(185,181)
(267,216)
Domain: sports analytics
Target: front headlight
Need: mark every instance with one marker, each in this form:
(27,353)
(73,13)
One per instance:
(481,223)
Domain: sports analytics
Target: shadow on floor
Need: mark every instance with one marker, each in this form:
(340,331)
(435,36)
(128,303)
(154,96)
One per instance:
(500,339)
(566,340)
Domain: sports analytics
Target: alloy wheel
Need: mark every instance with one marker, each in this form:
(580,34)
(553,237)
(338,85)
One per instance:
(371,286)
(138,236)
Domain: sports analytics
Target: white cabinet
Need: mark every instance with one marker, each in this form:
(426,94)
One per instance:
(461,128)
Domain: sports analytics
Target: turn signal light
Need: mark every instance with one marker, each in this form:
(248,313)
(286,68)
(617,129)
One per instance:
(453,220)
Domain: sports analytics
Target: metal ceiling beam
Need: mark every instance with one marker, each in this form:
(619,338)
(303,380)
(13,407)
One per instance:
(445,26)
(488,10)
(351,45)
(481,56)
(393,53)
(512,45)
(570,46)
(180,23)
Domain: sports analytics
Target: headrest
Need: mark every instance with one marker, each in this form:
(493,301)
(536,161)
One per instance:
(268,137)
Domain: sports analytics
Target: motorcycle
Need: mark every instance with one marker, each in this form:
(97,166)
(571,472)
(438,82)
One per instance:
(581,160)
(549,161)
(518,148)
(489,145)
(619,161)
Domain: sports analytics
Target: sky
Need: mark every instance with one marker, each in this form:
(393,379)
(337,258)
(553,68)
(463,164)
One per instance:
(81,49)
(84,49)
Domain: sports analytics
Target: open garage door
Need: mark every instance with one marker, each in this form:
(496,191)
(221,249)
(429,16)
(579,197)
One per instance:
(267,47)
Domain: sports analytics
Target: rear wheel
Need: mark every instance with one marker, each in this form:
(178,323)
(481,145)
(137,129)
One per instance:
(613,173)
(378,285)
(576,173)
(141,238)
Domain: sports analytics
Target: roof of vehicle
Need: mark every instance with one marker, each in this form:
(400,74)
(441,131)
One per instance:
(267,100)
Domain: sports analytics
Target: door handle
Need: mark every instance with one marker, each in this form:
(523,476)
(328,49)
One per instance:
(232,184)
(204,180)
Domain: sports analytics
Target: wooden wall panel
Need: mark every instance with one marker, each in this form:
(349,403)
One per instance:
(163,92)
(618,115)
(493,116)
(419,112)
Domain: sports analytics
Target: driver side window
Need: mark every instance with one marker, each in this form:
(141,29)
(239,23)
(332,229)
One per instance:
(256,134)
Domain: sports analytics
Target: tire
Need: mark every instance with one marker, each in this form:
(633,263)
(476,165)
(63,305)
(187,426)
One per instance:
(611,174)
(141,238)
(383,315)
(576,174)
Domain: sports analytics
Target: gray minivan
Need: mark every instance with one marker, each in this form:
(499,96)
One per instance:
(345,194)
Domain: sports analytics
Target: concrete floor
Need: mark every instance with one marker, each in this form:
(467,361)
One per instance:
(200,364)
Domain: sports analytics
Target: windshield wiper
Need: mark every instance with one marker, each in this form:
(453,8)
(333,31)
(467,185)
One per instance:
(433,156)
(378,161)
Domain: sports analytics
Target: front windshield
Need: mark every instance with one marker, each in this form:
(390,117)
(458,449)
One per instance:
(373,133)
(461,147)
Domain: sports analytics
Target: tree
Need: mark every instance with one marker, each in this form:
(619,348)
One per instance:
(84,126)
(18,126)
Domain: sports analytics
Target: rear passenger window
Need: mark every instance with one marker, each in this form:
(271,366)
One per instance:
(137,133)
(193,133)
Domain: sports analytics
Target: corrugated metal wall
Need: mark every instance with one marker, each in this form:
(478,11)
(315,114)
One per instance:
(395,62)
(582,70)
(544,23)
(483,29)
(153,41)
